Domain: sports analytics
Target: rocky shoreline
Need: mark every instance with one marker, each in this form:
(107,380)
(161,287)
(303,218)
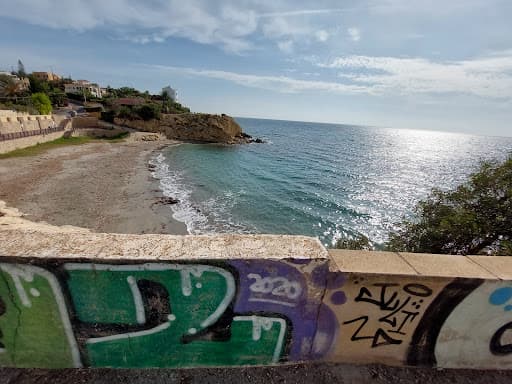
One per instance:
(193,127)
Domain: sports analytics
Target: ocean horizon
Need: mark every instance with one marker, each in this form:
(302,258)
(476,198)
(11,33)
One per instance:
(316,179)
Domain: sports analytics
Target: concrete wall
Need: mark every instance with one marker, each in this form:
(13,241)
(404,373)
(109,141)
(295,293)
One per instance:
(20,130)
(71,299)
(24,142)
(85,122)
(99,132)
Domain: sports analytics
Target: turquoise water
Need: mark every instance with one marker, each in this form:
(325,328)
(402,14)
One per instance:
(316,179)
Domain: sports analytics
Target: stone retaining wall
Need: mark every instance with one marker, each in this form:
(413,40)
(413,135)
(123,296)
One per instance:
(85,122)
(75,298)
(24,142)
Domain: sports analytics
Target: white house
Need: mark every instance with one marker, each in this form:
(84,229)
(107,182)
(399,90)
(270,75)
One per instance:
(173,94)
(80,86)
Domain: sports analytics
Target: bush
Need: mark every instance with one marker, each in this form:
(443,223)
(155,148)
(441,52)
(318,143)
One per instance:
(42,103)
(149,111)
(125,113)
(474,218)
(359,242)
(108,116)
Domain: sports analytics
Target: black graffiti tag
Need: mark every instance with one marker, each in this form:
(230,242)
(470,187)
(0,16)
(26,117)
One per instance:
(399,307)
(496,346)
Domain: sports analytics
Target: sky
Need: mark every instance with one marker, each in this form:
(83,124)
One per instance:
(416,64)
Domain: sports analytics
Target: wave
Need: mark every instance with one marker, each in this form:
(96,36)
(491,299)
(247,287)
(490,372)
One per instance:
(172,185)
(210,216)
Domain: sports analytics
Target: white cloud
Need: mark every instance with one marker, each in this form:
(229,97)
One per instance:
(285,46)
(224,24)
(354,34)
(489,76)
(322,35)
(282,84)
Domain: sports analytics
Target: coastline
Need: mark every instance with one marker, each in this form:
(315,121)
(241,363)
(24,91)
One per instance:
(102,186)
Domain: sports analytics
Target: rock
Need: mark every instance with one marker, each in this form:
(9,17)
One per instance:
(259,141)
(166,201)
(195,127)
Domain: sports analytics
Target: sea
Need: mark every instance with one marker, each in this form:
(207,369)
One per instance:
(321,180)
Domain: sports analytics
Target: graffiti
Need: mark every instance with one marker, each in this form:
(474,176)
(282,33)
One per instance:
(399,306)
(277,286)
(246,312)
(477,331)
(299,301)
(500,297)
(157,315)
(36,331)
(496,345)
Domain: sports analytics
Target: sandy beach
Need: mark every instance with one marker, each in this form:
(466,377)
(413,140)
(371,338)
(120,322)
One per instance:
(102,186)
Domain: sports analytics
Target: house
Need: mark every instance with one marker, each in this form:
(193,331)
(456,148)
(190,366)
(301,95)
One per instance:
(171,92)
(80,87)
(46,76)
(23,82)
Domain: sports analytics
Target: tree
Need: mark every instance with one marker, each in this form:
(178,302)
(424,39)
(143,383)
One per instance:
(38,86)
(474,218)
(359,242)
(148,111)
(57,97)
(10,87)
(21,69)
(42,103)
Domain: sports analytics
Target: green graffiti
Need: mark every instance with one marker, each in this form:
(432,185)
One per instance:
(180,302)
(34,324)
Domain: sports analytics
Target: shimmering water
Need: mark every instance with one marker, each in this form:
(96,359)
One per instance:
(316,179)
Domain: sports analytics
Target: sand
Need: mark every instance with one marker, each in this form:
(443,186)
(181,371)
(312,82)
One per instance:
(103,186)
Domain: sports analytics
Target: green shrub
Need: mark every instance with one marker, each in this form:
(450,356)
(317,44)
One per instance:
(108,116)
(125,113)
(42,103)
(359,242)
(474,218)
(149,111)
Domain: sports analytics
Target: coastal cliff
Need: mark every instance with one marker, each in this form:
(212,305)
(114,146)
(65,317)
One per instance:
(199,127)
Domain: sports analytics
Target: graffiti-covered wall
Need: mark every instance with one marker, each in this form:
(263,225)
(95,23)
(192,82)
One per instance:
(225,304)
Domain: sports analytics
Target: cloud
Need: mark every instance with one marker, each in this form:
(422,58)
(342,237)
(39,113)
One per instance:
(309,12)
(281,84)
(354,34)
(285,46)
(489,76)
(322,35)
(224,24)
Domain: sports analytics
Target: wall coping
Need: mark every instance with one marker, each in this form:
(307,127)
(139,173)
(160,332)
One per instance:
(111,247)
(421,264)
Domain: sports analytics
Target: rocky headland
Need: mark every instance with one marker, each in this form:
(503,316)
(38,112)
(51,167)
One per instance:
(193,127)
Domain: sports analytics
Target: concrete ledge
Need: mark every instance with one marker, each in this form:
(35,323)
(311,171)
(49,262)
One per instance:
(73,298)
(446,266)
(37,244)
(499,266)
(369,262)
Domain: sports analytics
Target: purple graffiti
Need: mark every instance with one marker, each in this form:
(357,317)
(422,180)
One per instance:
(280,288)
